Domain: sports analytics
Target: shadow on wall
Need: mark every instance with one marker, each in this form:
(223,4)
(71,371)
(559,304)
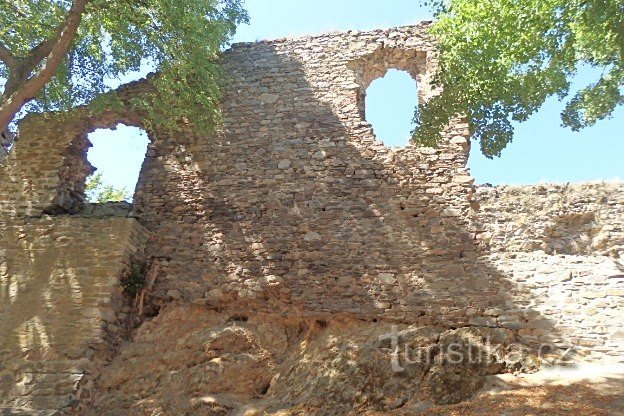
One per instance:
(297,209)
(55,295)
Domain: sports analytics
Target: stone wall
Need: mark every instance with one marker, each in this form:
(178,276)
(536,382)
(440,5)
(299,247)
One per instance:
(60,295)
(563,247)
(61,314)
(35,174)
(294,218)
(60,301)
(556,219)
(569,301)
(296,206)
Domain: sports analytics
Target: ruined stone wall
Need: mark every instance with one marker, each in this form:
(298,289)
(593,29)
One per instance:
(61,304)
(294,226)
(563,247)
(47,169)
(60,300)
(297,207)
(586,219)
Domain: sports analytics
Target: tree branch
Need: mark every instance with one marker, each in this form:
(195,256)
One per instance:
(7,57)
(17,10)
(39,52)
(55,49)
(44,49)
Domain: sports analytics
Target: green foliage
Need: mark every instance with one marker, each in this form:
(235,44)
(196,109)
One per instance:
(134,280)
(179,38)
(501,59)
(99,192)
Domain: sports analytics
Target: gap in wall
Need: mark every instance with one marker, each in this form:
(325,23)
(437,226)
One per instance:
(118,155)
(390,105)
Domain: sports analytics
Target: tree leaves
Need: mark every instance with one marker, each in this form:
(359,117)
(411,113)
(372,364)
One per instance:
(97,191)
(500,60)
(180,38)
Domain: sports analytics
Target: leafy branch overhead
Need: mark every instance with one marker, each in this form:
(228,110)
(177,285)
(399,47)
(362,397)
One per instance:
(99,192)
(59,53)
(501,59)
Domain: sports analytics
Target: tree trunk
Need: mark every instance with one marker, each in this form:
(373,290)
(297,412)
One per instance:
(25,88)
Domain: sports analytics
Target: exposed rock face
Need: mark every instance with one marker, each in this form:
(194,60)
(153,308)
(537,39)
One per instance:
(190,360)
(285,248)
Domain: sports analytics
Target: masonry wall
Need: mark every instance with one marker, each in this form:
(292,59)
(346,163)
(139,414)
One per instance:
(297,208)
(294,209)
(585,219)
(60,306)
(562,246)
(37,175)
(61,262)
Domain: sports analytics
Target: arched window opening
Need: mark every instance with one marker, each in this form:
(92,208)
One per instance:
(390,105)
(117,154)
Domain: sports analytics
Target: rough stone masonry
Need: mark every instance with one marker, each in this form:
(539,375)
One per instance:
(284,249)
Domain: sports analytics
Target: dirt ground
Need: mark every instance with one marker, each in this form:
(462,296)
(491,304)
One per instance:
(580,391)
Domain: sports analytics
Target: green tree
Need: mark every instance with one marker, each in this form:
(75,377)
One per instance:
(501,59)
(56,54)
(97,191)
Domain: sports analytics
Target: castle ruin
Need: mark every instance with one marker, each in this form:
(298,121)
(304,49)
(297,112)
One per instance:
(279,252)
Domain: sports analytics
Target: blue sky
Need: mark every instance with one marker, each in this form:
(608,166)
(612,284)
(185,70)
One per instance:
(541,152)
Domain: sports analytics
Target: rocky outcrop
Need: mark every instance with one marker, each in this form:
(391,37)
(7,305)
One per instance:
(190,360)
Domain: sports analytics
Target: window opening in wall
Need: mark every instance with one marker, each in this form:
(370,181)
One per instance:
(390,105)
(117,154)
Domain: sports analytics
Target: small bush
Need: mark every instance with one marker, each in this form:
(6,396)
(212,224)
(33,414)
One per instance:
(134,280)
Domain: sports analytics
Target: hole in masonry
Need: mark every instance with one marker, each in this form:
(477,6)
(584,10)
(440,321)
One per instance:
(237,318)
(390,105)
(117,154)
(264,389)
(321,323)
